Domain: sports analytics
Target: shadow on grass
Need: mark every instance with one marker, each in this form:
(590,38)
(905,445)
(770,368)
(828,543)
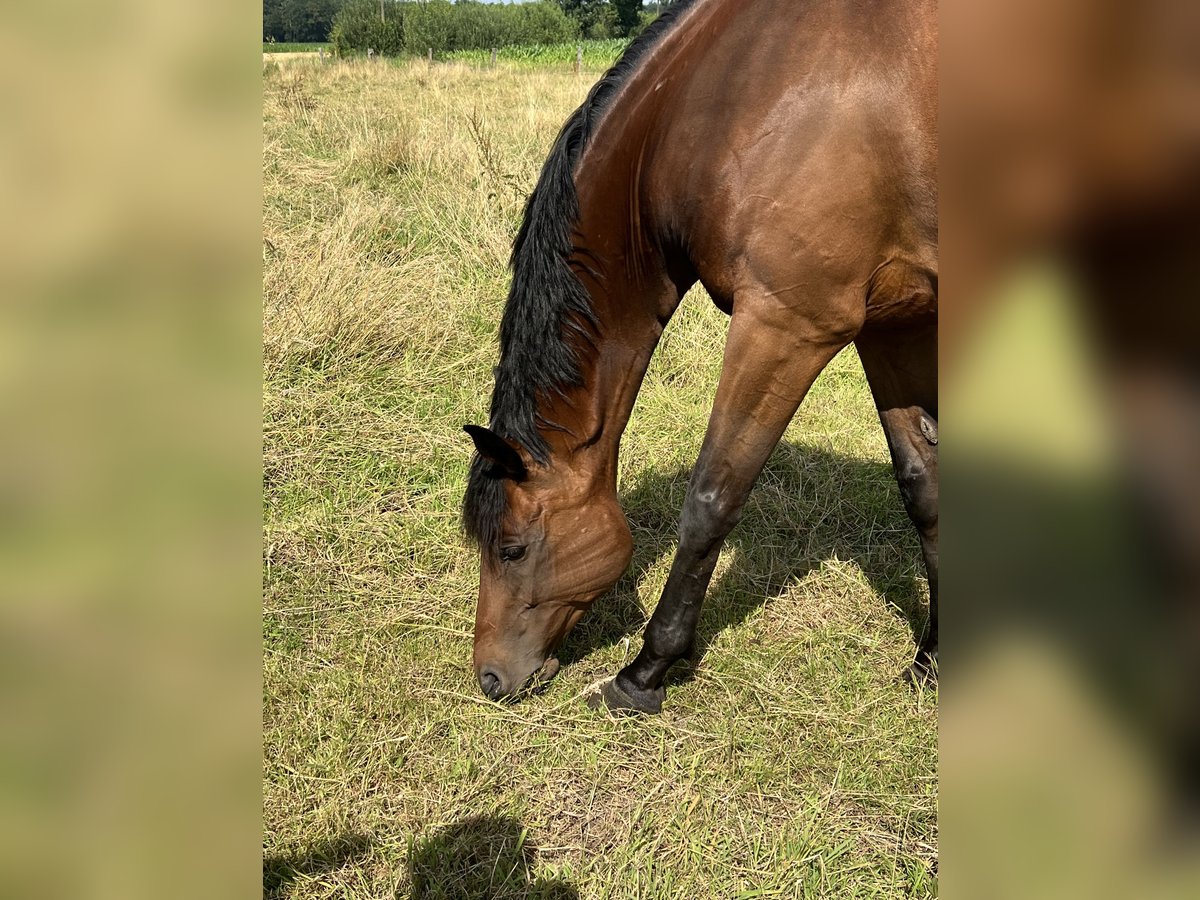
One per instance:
(280,871)
(484,856)
(808,506)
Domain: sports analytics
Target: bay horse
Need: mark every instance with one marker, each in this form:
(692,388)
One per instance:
(783,153)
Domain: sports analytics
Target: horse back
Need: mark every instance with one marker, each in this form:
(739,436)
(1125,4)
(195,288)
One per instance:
(795,147)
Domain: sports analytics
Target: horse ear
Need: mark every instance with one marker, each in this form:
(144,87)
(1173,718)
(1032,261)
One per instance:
(505,461)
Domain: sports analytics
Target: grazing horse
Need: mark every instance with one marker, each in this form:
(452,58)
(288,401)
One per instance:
(784,154)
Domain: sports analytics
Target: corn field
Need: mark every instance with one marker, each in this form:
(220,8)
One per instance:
(596,53)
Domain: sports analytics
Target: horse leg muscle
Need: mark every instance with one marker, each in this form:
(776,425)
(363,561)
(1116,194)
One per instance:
(772,356)
(901,367)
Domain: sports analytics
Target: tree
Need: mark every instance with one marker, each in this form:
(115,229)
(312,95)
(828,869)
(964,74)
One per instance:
(357,27)
(309,20)
(299,20)
(416,26)
(628,15)
(273,20)
(591,15)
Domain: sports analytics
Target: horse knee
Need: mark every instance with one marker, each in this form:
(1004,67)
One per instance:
(709,514)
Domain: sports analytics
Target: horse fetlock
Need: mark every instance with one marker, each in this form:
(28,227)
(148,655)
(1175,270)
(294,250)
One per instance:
(666,642)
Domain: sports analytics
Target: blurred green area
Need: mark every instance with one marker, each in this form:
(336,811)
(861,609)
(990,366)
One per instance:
(1058,707)
(129,389)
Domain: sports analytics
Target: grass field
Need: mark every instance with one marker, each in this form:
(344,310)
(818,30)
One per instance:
(788,762)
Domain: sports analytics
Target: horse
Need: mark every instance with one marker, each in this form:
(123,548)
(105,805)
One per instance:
(783,153)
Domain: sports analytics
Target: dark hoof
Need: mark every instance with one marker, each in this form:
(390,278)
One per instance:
(923,672)
(625,699)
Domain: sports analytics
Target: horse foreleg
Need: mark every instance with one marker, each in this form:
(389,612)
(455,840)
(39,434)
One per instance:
(772,357)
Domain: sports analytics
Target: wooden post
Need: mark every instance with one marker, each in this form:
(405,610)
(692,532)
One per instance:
(431,55)
(493,57)
(321,53)
(578,57)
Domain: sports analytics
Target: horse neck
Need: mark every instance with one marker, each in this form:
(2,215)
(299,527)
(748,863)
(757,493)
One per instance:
(632,296)
(634,275)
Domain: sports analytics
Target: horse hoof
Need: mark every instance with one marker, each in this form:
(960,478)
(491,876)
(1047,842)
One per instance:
(628,700)
(922,673)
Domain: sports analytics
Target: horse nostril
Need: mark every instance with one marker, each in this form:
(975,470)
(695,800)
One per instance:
(489,681)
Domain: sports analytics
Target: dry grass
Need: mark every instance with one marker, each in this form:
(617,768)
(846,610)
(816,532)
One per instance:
(789,762)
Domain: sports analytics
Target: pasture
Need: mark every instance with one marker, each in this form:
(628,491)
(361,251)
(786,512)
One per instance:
(789,761)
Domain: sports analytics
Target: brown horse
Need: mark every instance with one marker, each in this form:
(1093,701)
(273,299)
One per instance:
(784,154)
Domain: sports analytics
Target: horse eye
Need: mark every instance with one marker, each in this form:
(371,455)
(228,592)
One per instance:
(512,554)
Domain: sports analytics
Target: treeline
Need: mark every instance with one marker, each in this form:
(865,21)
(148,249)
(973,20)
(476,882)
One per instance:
(414,26)
(299,21)
(618,18)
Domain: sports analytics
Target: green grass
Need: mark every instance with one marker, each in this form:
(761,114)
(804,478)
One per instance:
(294,47)
(789,762)
(596,53)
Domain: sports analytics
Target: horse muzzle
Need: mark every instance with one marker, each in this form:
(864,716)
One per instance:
(497,684)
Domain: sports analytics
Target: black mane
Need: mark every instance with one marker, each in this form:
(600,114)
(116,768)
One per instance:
(547,304)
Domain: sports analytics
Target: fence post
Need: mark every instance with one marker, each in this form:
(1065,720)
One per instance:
(431,55)
(321,53)
(370,53)
(493,57)
(578,57)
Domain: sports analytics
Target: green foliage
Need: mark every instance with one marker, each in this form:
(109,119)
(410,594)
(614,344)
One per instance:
(414,27)
(540,23)
(429,24)
(298,20)
(644,19)
(605,25)
(358,28)
(465,24)
(604,19)
(628,15)
(595,18)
